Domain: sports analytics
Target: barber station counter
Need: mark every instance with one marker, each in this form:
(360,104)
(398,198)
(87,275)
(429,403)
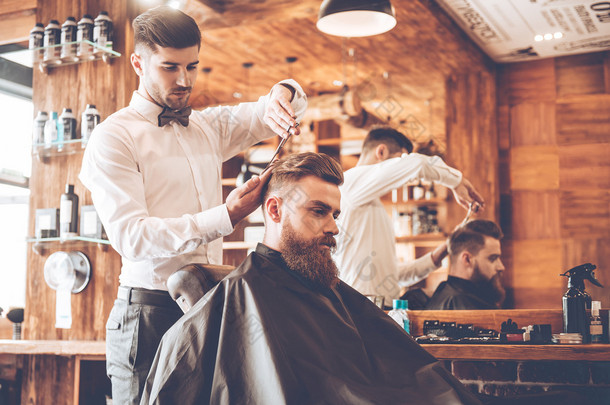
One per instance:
(54,372)
(506,369)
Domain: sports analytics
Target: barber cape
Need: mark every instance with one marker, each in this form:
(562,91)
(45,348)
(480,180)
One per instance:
(265,335)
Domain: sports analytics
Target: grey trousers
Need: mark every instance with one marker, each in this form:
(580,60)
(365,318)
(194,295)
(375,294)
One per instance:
(133,333)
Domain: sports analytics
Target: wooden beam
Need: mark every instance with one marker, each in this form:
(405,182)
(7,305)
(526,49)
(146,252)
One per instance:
(11,6)
(16,26)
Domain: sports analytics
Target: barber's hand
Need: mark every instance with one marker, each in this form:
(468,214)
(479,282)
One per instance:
(465,194)
(247,197)
(279,115)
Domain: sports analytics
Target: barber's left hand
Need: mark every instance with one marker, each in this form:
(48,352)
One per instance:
(247,197)
(279,115)
(465,194)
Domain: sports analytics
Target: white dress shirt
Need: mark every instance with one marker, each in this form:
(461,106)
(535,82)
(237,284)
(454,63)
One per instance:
(366,251)
(158,190)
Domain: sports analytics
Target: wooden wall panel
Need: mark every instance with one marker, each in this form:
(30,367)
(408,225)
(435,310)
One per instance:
(583,120)
(585,166)
(537,264)
(585,213)
(538,215)
(580,74)
(607,72)
(109,86)
(532,124)
(472,137)
(558,197)
(534,168)
(503,127)
(527,82)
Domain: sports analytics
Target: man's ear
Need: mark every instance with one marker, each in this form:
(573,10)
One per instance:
(136,62)
(381,152)
(273,208)
(467,260)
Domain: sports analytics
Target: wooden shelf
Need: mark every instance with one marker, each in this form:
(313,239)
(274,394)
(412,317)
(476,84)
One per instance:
(89,348)
(336,141)
(478,352)
(425,238)
(419,203)
(238,245)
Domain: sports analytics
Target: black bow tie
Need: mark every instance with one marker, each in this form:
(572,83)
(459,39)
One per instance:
(167,115)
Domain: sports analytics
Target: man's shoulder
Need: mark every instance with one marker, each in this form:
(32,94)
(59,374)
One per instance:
(125,115)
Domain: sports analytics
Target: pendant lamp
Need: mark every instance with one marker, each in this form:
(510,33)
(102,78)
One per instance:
(356,18)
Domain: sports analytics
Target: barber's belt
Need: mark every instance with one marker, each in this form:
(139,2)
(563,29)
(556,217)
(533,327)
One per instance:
(158,298)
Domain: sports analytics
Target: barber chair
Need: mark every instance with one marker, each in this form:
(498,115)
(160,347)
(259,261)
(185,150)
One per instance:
(189,283)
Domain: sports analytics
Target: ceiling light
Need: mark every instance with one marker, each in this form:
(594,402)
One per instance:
(548,36)
(356,18)
(538,38)
(557,35)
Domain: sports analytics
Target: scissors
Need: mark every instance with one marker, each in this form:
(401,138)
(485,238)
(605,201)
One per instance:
(473,207)
(281,145)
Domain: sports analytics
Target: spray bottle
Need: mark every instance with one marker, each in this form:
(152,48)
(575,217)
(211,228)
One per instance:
(576,300)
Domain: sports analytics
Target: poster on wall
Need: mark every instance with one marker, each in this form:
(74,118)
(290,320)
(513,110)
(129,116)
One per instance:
(519,30)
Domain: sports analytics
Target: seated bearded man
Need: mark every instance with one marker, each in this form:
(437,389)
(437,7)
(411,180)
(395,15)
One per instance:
(283,329)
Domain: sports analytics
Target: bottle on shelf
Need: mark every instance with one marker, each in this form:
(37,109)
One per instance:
(52,36)
(50,130)
(68,214)
(38,128)
(68,37)
(399,314)
(84,32)
(37,41)
(405,193)
(430,192)
(402,224)
(433,226)
(67,125)
(102,32)
(394,196)
(419,191)
(595,323)
(89,120)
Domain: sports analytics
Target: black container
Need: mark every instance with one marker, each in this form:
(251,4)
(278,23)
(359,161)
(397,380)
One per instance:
(575,319)
(68,213)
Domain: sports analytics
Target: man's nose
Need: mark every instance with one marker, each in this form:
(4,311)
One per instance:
(501,267)
(331,227)
(184,79)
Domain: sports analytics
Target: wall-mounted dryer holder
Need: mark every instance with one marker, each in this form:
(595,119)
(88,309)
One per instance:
(67,270)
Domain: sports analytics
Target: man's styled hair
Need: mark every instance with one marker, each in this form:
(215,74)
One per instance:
(167,27)
(394,140)
(471,236)
(295,167)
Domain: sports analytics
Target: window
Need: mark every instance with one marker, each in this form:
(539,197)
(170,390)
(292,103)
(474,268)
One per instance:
(16,115)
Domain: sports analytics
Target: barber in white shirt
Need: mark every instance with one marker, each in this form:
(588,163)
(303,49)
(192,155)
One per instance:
(154,172)
(366,251)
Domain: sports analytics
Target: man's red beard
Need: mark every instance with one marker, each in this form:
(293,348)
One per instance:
(309,258)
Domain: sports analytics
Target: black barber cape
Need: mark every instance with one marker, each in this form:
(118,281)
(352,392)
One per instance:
(459,293)
(267,336)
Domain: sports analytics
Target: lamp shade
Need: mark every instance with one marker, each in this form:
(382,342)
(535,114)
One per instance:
(356,18)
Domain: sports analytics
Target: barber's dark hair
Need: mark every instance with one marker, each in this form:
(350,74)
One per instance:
(295,167)
(395,141)
(470,237)
(167,27)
